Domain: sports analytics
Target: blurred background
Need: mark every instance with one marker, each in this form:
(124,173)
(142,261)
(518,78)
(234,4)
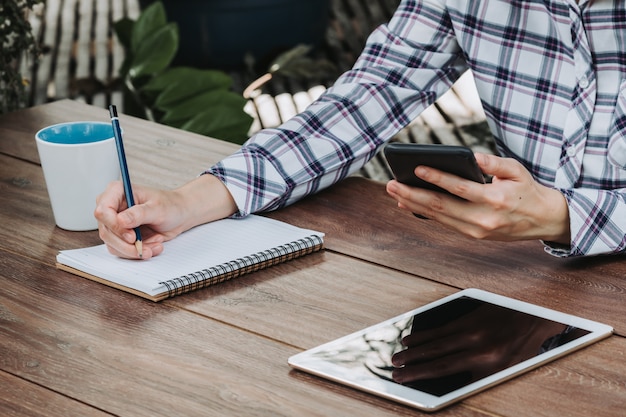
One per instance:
(81,57)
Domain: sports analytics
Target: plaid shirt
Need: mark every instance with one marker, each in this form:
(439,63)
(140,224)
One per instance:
(552,78)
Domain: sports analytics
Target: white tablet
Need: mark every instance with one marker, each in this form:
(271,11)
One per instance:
(437,354)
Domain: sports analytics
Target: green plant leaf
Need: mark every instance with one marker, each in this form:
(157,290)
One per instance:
(156,52)
(188,109)
(188,98)
(289,56)
(295,63)
(181,83)
(123,29)
(223,122)
(150,20)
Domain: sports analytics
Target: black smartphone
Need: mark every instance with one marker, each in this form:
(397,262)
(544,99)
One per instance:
(457,160)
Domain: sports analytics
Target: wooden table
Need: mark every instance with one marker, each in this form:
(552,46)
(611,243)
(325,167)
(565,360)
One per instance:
(72,347)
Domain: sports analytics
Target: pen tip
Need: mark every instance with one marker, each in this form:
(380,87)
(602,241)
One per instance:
(139,246)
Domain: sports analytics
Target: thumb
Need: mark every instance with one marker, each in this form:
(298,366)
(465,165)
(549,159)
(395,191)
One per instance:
(496,166)
(131,217)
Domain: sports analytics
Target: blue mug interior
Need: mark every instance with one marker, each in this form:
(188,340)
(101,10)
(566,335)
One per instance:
(77,133)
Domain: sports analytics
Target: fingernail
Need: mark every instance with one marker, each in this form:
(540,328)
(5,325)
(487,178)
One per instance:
(421,171)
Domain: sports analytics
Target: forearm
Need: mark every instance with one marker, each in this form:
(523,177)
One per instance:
(342,130)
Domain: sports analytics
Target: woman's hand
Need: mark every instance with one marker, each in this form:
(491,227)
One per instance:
(160,214)
(512,207)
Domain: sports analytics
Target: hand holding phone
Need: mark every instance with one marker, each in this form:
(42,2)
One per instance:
(403,158)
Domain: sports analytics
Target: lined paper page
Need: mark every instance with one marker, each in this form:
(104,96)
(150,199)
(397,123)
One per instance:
(200,248)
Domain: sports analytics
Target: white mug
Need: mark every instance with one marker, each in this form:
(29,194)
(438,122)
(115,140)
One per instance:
(79,160)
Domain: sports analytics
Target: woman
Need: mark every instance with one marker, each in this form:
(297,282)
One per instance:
(552,79)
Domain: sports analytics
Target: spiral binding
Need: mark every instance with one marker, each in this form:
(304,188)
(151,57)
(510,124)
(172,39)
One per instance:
(241,266)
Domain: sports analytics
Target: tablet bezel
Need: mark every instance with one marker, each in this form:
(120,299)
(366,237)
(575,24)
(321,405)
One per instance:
(309,362)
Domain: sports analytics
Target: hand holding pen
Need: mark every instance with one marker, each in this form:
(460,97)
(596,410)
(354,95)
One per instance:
(124,170)
(162,214)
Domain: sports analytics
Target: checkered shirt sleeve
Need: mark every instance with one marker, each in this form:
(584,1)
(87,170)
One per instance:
(552,79)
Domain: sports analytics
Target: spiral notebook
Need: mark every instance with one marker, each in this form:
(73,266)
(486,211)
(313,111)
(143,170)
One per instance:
(203,256)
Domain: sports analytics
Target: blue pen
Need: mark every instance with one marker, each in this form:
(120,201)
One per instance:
(128,191)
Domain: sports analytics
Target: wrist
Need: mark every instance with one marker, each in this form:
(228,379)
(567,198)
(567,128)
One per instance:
(203,200)
(557,224)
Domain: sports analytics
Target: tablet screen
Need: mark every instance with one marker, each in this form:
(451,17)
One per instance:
(449,349)
(460,342)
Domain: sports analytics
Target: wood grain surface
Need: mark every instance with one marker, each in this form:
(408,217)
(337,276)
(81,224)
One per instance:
(362,221)
(70,346)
